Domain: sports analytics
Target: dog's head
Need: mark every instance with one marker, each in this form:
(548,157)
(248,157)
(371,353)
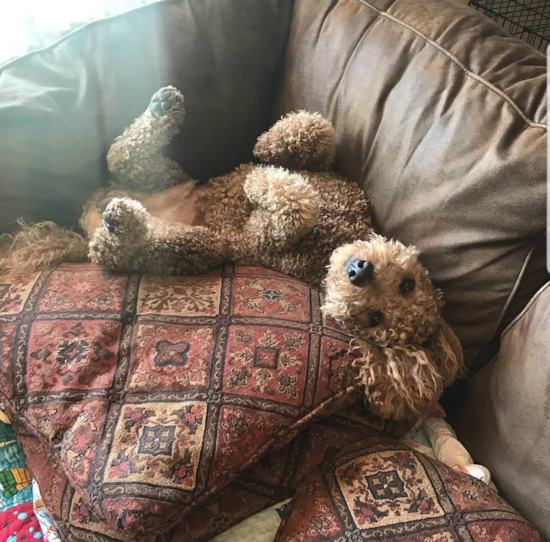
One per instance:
(379,291)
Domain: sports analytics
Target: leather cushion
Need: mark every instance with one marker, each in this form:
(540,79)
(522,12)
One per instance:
(152,393)
(505,424)
(62,106)
(440,117)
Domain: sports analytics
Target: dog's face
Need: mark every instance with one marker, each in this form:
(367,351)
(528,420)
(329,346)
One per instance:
(381,293)
(379,290)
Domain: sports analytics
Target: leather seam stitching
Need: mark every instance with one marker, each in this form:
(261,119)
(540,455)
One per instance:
(456,61)
(520,316)
(517,283)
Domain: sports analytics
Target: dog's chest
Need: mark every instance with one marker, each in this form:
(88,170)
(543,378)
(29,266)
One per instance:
(177,204)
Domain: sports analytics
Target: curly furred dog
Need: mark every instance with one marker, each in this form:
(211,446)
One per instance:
(379,291)
(290,214)
(287,214)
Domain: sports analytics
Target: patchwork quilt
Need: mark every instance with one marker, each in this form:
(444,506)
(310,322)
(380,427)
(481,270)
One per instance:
(23,516)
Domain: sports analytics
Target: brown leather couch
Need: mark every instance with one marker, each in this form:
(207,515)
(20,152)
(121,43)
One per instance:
(439,115)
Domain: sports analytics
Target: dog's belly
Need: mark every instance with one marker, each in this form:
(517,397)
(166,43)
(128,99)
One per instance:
(177,204)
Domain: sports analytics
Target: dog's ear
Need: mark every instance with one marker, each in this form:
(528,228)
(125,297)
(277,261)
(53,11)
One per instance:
(448,354)
(401,383)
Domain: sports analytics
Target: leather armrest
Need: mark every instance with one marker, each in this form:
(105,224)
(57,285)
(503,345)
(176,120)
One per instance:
(505,423)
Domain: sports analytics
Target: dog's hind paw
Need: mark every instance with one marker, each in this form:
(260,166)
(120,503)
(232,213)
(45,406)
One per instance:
(168,101)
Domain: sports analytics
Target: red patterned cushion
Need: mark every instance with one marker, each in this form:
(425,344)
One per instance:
(377,489)
(152,393)
(272,479)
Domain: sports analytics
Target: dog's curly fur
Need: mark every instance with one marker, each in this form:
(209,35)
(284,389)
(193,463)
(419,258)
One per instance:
(290,213)
(408,354)
(39,246)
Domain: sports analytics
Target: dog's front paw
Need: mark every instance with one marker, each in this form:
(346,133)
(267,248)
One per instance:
(104,250)
(117,243)
(125,217)
(168,101)
(107,250)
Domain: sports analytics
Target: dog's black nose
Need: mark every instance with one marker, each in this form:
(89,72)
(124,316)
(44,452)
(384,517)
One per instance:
(360,272)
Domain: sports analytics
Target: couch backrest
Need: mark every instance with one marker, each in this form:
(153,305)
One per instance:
(441,117)
(62,105)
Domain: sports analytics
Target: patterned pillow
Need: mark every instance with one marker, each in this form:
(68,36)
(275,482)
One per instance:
(377,489)
(152,393)
(272,479)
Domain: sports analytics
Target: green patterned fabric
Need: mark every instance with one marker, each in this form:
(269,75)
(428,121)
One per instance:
(15,479)
(6,433)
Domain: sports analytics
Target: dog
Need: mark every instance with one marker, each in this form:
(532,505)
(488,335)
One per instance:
(379,291)
(289,213)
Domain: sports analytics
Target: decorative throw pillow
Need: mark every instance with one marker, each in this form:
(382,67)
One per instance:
(377,489)
(153,393)
(274,478)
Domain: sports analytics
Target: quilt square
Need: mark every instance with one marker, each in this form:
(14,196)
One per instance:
(69,290)
(336,371)
(262,297)
(14,292)
(379,488)
(75,429)
(266,361)
(157,443)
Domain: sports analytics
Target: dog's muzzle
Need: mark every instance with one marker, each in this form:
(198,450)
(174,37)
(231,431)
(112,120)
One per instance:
(359,271)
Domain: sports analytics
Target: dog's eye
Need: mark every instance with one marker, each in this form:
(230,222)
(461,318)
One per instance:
(375,319)
(407,285)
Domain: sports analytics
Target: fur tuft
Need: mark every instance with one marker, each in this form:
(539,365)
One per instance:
(302,140)
(400,383)
(39,246)
(449,355)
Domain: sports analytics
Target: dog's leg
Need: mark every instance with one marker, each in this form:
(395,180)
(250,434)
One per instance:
(286,208)
(117,244)
(134,158)
(298,141)
(130,239)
